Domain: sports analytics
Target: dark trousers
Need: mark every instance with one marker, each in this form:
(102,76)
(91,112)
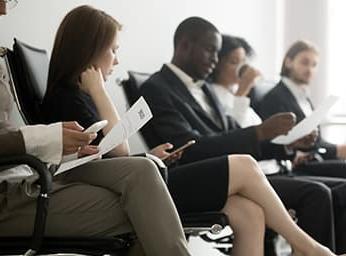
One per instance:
(326,168)
(338,189)
(313,203)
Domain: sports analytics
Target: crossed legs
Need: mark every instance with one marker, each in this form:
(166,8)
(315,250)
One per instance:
(247,181)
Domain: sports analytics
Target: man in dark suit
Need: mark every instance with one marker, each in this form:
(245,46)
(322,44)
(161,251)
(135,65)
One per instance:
(291,94)
(184,107)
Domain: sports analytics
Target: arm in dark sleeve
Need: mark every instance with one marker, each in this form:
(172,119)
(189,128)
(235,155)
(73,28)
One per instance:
(12,143)
(170,125)
(274,151)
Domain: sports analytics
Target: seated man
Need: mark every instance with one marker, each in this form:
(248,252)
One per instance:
(184,108)
(292,94)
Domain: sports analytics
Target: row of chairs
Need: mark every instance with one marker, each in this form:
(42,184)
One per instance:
(27,69)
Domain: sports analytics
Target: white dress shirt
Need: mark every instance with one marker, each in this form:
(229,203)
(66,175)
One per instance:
(300,93)
(237,107)
(44,141)
(195,88)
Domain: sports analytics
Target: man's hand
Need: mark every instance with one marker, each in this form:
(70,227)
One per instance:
(276,125)
(305,143)
(74,139)
(301,158)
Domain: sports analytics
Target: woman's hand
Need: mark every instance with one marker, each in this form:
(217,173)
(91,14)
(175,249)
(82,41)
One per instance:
(247,81)
(74,139)
(88,150)
(92,81)
(161,152)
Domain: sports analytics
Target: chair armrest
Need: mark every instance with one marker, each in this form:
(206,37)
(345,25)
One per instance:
(45,177)
(213,222)
(45,182)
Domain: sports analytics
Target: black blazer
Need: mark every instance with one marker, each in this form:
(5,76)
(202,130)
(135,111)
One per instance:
(179,118)
(280,99)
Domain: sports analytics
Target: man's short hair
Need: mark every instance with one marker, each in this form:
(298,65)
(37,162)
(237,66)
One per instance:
(296,48)
(193,28)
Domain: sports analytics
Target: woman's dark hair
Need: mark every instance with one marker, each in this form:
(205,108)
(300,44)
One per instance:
(293,51)
(229,44)
(83,35)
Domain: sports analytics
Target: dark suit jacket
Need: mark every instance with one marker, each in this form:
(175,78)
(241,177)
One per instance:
(280,99)
(179,118)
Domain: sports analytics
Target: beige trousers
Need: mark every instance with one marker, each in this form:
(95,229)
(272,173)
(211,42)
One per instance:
(104,198)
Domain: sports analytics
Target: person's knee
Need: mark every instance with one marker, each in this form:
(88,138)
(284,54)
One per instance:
(245,164)
(145,169)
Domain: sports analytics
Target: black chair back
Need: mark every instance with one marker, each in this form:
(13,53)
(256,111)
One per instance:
(133,84)
(258,92)
(29,67)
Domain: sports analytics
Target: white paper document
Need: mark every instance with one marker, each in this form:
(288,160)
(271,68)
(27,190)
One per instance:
(134,119)
(308,124)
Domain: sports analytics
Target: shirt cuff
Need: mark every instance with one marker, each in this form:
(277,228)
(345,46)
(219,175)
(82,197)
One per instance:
(44,142)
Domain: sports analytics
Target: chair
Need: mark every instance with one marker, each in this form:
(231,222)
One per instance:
(116,246)
(131,88)
(259,91)
(31,66)
(35,83)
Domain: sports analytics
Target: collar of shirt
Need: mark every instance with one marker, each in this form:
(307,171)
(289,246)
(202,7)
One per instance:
(299,91)
(300,94)
(185,78)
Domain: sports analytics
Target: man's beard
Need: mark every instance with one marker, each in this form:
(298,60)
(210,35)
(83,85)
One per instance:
(299,80)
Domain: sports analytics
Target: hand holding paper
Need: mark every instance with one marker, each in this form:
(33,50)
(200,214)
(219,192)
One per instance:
(307,125)
(134,119)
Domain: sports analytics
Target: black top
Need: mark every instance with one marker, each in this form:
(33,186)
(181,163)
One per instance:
(70,103)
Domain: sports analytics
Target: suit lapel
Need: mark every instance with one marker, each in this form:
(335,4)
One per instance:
(179,88)
(291,101)
(215,105)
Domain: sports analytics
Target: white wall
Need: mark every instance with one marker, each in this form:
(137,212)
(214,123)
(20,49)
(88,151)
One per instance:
(146,40)
(308,19)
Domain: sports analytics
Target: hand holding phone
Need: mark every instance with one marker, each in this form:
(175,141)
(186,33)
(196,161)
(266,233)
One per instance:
(96,126)
(179,150)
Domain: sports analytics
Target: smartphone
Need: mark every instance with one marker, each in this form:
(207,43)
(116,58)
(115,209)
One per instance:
(96,126)
(188,144)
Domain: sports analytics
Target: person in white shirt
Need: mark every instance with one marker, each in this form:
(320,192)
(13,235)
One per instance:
(232,89)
